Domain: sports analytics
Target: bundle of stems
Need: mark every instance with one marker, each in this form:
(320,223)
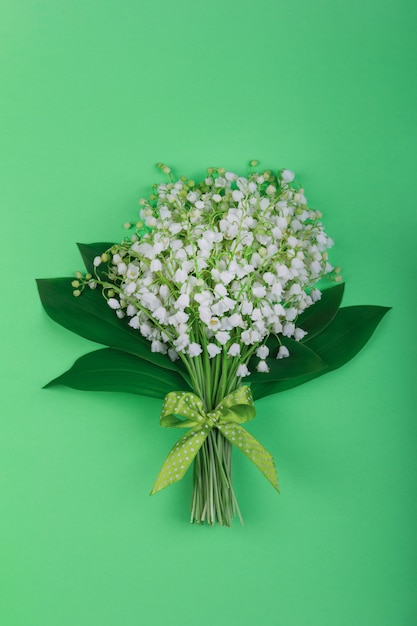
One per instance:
(214,500)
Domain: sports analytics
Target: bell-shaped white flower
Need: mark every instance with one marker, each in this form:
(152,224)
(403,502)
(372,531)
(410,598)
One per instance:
(182,302)
(213,350)
(287,176)
(242,371)
(258,290)
(173,354)
(283,352)
(158,346)
(299,333)
(237,195)
(262,366)
(113,303)
(222,337)
(134,322)
(156,265)
(220,290)
(194,349)
(234,350)
(262,352)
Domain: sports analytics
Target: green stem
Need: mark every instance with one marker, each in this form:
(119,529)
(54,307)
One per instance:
(214,500)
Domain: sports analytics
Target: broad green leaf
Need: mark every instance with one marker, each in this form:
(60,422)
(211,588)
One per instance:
(302,362)
(90,250)
(112,370)
(350,330)
(338,343)
(261,390)
(320,314)
(89,316)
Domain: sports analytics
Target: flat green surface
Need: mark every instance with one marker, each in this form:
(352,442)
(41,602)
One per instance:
(92,95)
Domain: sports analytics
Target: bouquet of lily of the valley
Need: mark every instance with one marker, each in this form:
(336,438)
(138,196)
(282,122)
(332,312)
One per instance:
(211,303)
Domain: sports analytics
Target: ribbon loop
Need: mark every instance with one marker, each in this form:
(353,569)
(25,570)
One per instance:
(185,404)
(186,410)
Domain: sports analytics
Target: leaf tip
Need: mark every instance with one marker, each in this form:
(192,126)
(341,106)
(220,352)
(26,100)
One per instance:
(52,383)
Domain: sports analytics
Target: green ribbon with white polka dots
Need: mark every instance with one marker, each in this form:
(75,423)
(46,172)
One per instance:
(186,410)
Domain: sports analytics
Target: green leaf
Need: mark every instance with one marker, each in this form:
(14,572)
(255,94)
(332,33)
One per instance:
(350,330)
(261,390)
(338,343)
(302,361)
(315,319)
(89,316)
(90,250)
(112,370)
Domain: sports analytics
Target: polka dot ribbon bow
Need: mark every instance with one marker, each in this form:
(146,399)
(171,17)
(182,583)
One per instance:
(186,410)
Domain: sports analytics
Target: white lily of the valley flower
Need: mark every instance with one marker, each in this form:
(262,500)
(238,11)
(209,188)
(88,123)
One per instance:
(206,314)
(234,350)
(132,271)
(299,333)
(213,350)
(220,290)
(250,336)
(262,352)
(156,265)
(134,322)
(227,277)
(130,288)
(160,314)
(283,352)
(259,290)
(194,349)
(288,329)
(222,337)
(173,355)
(182,302)
(237,195)
(242,371)
(158,346)
(113,303)
(181,342)
(287,176)
(236,321)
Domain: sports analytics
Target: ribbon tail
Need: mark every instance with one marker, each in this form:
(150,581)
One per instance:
(250,446)
(180,458)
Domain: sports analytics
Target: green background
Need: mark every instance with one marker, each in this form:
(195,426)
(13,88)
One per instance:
(93,94)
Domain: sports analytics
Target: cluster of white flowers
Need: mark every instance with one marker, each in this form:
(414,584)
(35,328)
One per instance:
(216,267)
